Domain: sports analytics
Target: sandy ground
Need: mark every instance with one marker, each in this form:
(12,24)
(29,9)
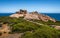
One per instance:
(16,35)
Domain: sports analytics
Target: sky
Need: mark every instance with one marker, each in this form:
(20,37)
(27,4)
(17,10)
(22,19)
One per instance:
(43,6)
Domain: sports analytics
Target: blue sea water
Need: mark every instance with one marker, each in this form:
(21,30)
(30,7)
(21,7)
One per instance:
(5,14)
(53,15)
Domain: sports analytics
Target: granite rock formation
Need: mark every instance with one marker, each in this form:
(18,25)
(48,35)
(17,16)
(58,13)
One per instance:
(32,15)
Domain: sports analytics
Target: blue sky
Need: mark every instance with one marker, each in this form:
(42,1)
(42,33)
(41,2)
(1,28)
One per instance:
(43,6)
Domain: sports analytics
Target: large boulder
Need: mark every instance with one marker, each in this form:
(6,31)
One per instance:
(23,11)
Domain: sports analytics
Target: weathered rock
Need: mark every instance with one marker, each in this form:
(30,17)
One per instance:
(5,28)
(57,27)
(16,15)
(23,11)
(35,12)
(32,15)
(46,18)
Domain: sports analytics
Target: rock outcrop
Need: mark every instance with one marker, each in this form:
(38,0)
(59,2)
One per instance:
(57,27)
(32,15)
(17,15)
(4,28)
(46,18)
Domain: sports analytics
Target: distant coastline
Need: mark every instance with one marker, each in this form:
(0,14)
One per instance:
(53,15)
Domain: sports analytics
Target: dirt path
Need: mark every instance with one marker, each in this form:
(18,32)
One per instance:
(35,22)
(16,35)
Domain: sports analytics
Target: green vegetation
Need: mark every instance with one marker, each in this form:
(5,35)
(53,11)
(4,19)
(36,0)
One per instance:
(48,23)
(31,30)
(43,32)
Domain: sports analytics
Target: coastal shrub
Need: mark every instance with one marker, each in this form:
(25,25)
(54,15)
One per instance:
(27,34)
(32,30)
(43,32)
(24,26)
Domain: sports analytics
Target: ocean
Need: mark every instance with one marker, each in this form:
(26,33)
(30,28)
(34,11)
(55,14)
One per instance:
(53,15)
(5,14)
